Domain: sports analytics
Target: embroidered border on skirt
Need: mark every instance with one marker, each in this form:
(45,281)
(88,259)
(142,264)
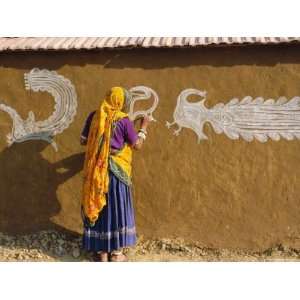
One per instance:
(109,235)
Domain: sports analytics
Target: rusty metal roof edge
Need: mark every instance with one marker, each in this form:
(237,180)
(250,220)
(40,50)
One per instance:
(93,43)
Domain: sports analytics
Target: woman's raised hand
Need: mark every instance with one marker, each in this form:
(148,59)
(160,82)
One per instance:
(145,121)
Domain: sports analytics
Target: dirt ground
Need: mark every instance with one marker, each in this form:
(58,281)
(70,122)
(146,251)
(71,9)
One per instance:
(51,246)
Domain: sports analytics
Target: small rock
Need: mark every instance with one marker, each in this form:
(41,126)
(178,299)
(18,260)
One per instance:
(18,256)
(201,252)
(60,251)
(268,252)
(60,241)
(176,247)
(76,252)
(74,245)
(225,252)
(187,249)
(280,247)
(45,243)
(35,244)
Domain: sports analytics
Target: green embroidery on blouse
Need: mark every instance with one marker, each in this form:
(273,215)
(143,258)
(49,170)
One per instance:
(119,172)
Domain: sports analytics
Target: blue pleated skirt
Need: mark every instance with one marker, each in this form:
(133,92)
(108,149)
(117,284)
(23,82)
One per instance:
(115,227)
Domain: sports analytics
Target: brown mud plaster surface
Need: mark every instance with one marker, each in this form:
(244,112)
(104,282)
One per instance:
(223,193)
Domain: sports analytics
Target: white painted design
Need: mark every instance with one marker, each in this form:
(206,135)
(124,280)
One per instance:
(64,110)
(143,93)
(249,118)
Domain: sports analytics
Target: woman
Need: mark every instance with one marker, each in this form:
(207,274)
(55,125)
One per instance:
(107,208)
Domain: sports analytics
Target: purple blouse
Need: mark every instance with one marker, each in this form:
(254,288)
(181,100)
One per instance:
(124,132)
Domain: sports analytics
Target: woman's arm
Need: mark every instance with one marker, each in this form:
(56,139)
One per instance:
(142,133)
(133,138)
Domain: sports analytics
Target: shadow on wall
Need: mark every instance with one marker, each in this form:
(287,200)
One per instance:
(156,58)
(28,184)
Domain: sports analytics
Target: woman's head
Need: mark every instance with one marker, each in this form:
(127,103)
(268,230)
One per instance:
(119,98)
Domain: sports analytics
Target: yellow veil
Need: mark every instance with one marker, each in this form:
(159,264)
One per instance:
(96,165)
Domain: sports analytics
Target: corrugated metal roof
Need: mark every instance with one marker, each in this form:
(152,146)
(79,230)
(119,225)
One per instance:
(67,43)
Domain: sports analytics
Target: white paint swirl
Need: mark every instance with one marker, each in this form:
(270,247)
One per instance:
(64,110)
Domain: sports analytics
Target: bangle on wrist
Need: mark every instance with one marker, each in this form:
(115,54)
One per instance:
(142,135)
(143,130)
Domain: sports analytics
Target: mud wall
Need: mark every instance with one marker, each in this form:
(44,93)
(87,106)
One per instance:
(221,192)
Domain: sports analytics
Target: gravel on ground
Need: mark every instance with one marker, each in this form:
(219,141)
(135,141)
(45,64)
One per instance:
(51,246)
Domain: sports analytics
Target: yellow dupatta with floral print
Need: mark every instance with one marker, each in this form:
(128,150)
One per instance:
(97,158)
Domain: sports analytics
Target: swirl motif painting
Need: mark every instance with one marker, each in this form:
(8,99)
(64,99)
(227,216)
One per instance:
(248,118)
(142,93)
(64,110)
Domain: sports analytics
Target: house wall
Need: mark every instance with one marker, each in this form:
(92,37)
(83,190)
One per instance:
(220,193)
